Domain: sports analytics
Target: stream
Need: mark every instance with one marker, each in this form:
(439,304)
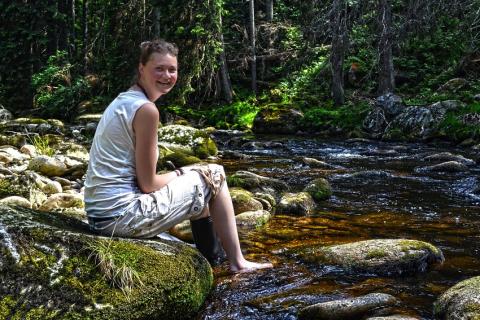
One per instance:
(379,191)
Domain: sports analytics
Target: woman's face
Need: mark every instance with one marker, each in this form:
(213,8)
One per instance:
(159,74)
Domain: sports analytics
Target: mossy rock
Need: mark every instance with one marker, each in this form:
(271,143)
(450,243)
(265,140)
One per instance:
(379,256)
(254,182)
(277,120)
(244,200)
(319,189)
(460,301)
(51,267)
(180,159)
(300,204)
(196,141)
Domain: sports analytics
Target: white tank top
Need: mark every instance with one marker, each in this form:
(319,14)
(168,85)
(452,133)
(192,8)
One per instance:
(111,179)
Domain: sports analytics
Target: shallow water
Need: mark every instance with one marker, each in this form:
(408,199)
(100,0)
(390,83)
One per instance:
(379,191)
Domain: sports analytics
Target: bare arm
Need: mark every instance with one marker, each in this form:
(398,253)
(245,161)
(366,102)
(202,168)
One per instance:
(145,125)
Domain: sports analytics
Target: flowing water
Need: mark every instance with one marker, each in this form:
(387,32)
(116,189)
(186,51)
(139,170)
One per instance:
(389,196)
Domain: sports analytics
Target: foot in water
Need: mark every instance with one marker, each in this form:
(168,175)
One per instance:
(248,266)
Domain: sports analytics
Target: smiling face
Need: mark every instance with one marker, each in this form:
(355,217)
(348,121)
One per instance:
(158,75)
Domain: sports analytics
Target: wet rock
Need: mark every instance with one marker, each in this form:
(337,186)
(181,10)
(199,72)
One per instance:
(254,182)
(16,201)
(226,154)
(369,174)
(383,256)
(244,200)
(86,118)
(278,120)
(253,218)
(266,197)
(393,317)
(319,189)
(460,302)
(301,204)
(48,166)
(64,272)
(52,187)
(351,308)
(448,156)
(62,200)
(449,166)
(314,163)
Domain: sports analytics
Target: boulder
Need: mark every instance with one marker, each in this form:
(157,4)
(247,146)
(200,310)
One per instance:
(387,257)
(453,85)
(460,301)
(393,317)
(391,104)
(257,183)
(253,218)
(351,308)
(300,204)
(189,140)
(182,231)
(16,201)
(51,267)
(277,120)
(375,122)
(244,200)
(319,189)
(62,200)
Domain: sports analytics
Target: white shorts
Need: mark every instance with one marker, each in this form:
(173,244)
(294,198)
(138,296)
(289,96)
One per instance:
(183,198)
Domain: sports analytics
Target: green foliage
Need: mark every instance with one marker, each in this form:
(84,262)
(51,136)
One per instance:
(237,115)
(42,145)
(56,94)
(453,128)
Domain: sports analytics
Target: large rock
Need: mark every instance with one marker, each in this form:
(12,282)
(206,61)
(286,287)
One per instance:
(244,200)
(383,256)
(413,123)
(257,183)
(352,308)
(300,204)
(253,218)
(391,104)
(461,302)
(189,140)
(52,268)
(319,189)
(277,120)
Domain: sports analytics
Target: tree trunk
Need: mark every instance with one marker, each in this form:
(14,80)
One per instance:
(226,84)
(51,27)
(269,10)
(72,26)
(339,45)
(156,22)
(386,81)
(253,65)
(63,25)
(85,35)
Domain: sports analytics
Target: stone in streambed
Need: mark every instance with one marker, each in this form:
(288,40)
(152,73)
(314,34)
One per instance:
(352,308)
(460,302)
(381,256)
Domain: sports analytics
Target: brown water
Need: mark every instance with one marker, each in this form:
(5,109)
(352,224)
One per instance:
(392,198)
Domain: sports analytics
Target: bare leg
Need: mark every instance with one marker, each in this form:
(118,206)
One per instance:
(223,216)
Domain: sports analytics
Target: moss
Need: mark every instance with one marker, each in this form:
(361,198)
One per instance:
(31,120)
(181,159)
(6,306)
(376,254)
(407,245)
(235,181)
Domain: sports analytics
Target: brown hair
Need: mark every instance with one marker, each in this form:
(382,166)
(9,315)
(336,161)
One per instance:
(147,48)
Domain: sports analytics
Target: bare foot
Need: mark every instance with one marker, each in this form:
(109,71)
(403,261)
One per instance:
(248,266)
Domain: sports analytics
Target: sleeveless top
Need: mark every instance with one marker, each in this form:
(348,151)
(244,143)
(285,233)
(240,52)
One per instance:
(111,184)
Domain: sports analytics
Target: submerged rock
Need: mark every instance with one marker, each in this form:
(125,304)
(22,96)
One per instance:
(462,301)
(352,308)
(380,256)
(52,268)
(448,156)
(393,317)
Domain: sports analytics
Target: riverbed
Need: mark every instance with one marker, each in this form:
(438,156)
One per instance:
(380,190)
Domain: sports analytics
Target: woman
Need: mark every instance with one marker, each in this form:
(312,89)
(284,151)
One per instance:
(123,194)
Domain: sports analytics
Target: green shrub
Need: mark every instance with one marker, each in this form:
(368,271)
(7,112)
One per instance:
(57,94)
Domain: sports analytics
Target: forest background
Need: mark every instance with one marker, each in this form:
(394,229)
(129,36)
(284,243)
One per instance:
(328,59)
